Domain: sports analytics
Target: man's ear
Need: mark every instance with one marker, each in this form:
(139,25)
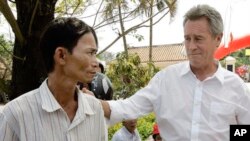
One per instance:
(219,38)
(60,55)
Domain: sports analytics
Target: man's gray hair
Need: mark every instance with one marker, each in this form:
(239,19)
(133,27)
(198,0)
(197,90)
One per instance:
(211,14)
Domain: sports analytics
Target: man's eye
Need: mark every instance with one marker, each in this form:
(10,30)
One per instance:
(198,39)
(92,53)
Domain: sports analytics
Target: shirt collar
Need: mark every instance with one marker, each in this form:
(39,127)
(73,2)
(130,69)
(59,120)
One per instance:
(50,104)
(48,101)
(218,74)
(186,68)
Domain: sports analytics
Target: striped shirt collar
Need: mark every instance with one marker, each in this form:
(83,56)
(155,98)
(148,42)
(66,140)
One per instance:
(50,104)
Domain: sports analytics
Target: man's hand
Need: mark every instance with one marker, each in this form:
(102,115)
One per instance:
(106,109)
(85,90)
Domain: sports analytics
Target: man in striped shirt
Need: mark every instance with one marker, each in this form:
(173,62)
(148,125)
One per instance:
(57,110)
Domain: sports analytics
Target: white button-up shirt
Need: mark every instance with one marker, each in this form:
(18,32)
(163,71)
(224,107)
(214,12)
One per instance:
(37,116)
(186,108)
(124,135)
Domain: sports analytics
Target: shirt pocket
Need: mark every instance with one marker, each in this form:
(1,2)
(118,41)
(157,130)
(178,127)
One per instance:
(221,115)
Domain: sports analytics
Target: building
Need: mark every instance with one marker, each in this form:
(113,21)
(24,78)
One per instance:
(162,55)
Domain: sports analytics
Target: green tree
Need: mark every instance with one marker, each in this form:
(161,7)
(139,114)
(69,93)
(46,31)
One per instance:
(113,10)
(128,75)
(127,10)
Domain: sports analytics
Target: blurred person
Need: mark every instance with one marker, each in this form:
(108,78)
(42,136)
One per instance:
(156,133)
(128,132)
(101,85)
(57,110)
(100,68)
(195,100)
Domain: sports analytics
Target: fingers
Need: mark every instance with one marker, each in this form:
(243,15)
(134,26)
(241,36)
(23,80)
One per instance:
(86,91)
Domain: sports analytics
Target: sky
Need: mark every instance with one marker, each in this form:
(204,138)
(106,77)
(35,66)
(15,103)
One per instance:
(167,32)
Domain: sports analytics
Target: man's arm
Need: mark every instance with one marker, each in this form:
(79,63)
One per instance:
(106,108)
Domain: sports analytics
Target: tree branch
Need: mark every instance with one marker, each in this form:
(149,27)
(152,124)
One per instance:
(5,9)
(32,17)
(129,30)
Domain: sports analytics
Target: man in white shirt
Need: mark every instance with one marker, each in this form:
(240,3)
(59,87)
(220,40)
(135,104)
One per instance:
(58,110)
(128,132)
(196,100)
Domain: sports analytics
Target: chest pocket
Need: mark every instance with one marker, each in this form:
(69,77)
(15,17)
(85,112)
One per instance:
(221,115)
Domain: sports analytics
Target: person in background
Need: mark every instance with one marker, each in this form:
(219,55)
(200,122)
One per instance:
(128,132)
(101,85)
(156,133)
(100,68)
(58,110)
(195,100)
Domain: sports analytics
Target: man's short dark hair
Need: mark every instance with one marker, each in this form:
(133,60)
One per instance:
(62,32)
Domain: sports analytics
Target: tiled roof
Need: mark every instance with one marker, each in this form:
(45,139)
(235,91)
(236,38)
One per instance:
(162,55)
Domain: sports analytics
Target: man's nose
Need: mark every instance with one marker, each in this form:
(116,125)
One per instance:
(192,45)
(95,64)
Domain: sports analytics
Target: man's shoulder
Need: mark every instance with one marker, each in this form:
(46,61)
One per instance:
(230,75)
(92,101)
(118,135)
(21,105)
(178,65)
(175,68)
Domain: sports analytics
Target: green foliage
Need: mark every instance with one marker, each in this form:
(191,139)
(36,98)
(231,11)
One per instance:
(5,66)
(128,75)
(70,7)
(241,58)
(144,126)
(5,48)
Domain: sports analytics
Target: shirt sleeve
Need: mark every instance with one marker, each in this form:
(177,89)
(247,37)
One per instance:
(243,112)
(140,104)
(6,133)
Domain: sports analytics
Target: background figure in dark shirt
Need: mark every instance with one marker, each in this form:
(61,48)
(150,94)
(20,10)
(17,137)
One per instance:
(101,86)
